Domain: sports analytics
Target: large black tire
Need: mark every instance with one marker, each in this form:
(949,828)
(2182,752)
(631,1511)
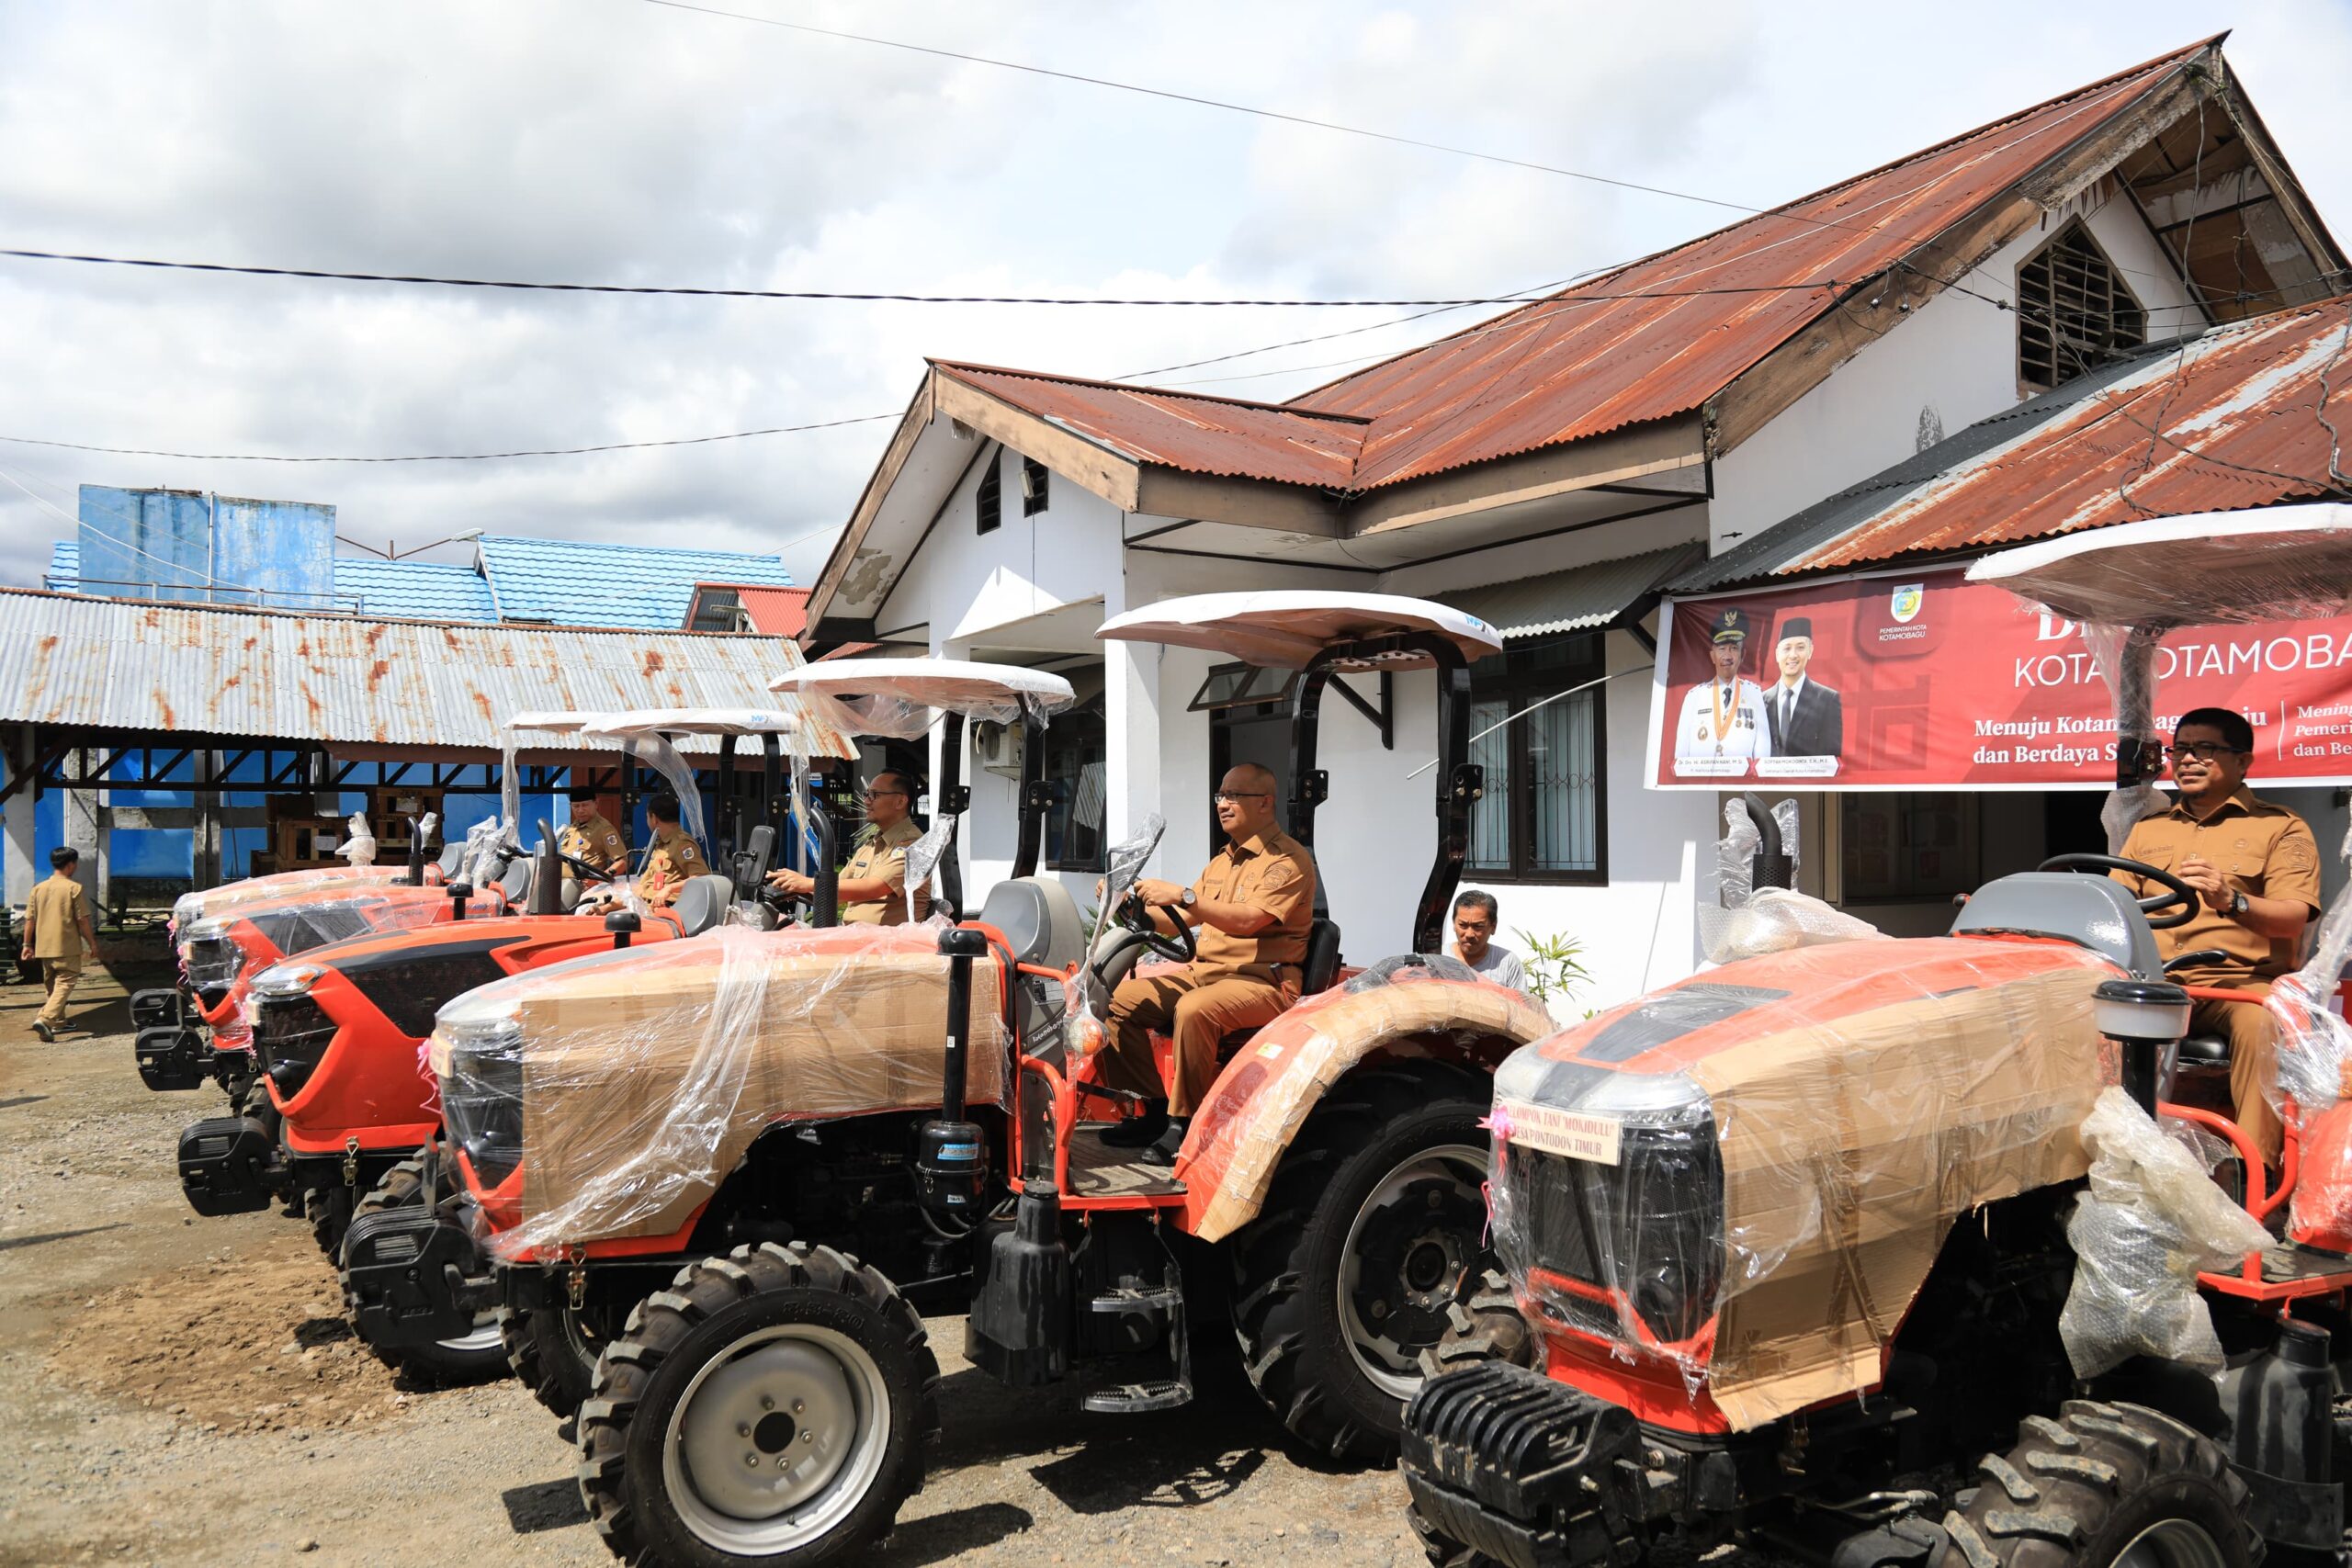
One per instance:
(1296,1340)
(722,1317)
(479,1357)
(320,1208)
(553,1350)
(2076,1492)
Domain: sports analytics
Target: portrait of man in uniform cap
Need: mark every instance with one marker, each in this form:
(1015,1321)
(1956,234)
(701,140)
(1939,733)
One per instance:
(1722,726)
(1808,718)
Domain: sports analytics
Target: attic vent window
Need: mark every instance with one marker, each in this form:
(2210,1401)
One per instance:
(719,610)
(1033,487)
(2074,312)
(991,497)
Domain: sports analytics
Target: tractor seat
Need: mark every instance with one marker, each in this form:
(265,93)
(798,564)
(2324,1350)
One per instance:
(2204,1051)
(702,903)
(1318,972)
(1039,921)
(516,883)
(452,857)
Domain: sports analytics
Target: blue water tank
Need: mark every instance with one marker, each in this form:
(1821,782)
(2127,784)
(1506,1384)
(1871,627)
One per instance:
(194,547)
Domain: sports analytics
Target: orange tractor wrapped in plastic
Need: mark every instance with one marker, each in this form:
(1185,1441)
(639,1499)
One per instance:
(1900,1252)
(774,1151)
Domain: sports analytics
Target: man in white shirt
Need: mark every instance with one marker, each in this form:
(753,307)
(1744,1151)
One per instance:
(1723,725)
(1474,918)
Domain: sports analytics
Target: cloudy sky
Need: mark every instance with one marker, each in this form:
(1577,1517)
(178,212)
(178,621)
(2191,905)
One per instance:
(623,141)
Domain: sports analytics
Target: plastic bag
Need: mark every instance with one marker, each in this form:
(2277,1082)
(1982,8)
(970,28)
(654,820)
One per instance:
(1746,923)
(2152,1221)
(359,847)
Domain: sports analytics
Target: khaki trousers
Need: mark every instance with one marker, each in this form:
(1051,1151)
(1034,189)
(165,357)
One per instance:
(2253,1035)
(1195,1010)
(58,981)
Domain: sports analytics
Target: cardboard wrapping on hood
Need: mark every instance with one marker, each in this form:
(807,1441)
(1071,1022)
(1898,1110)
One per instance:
(1861,1096)
(1268,1089)
(647,1074)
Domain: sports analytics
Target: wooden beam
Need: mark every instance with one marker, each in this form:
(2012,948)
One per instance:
(1620,455)
(1250,503)
(911,426)
(1085,463)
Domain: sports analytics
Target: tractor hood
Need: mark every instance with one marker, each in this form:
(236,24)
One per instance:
(190,908)
(1745,1177)
(606,1097)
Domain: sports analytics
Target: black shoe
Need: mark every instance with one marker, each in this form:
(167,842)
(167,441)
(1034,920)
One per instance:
(1163,1149)
(1137,1132)
(41,1028)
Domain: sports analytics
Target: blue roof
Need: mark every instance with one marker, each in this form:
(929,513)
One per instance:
(411,589)
(568,585)
(64,565)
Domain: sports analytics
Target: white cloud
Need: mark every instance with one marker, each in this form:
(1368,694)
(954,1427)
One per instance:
(606,140)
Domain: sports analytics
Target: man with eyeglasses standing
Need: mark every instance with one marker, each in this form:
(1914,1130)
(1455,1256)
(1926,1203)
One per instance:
(873,885)
(2256,869)
(1251,907)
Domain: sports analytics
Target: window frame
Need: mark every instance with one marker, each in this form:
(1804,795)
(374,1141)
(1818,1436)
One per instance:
(1516,689)
(1096,710)
(2121,301)
(988,502)
(1034,479)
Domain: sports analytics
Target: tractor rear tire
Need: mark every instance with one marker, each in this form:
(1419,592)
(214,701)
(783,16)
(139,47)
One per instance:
(708,1366)
(553,1352)
(2100,1480)
(478,1357)
(1299,1330)
(319,1208)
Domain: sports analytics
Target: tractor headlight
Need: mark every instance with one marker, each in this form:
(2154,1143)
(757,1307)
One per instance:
(478,1054)
(211,959)
(282,980)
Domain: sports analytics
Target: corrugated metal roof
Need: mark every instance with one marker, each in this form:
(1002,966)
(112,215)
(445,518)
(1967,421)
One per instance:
(2218,423)
(565,583)
(411,589)
(64,565)
(1558,369)
(1183,430)
(1579,599)
(121,664)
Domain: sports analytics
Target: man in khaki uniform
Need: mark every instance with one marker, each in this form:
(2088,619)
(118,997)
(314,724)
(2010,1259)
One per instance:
(873,887)
(671,857)
(58,933)
(1252,907)
(2256,869)
(591,840)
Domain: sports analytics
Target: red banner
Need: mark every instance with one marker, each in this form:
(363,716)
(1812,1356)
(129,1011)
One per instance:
(1924,680)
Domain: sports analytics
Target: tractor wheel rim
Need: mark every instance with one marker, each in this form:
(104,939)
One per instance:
(2172,1543)
(1395,1366)
(776,1441)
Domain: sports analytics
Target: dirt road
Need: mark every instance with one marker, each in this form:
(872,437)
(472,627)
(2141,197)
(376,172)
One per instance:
(182,1391)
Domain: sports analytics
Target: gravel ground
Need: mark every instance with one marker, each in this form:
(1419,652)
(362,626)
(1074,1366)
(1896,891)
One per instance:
(185,1390)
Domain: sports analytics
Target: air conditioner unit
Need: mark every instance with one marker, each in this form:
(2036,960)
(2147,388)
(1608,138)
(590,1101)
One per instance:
(998,748)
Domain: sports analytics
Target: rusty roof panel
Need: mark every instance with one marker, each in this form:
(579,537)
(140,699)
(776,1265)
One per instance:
(2219,423)
(1183,430)
(1580,363)
(121,664)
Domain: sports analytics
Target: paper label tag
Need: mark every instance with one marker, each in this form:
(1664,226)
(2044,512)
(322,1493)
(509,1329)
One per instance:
(1573,1134)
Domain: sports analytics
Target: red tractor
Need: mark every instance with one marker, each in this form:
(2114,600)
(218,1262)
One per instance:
(776,1151)
(1852,1252)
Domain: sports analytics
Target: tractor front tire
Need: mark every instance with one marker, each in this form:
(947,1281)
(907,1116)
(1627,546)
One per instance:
(769,1407)
(1371,1234)
(2098,1482)
(553,1352)
(478,1357)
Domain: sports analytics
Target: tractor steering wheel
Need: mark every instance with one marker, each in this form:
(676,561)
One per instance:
(2177,895)
(587,873)
(1135,914)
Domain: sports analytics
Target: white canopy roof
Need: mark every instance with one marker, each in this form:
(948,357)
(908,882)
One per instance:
(694,721)
(2278,563)
(1286,627)
(554,723)
(957,685)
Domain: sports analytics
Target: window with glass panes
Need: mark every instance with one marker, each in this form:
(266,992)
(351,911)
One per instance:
(1077,763)
(1544,817)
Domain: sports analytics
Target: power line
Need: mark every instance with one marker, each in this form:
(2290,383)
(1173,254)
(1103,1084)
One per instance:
(444,456)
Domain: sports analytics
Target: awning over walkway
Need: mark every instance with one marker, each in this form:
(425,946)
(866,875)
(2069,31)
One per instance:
(1582,598)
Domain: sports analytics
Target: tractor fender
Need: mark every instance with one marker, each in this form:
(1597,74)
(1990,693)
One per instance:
(1270,1087)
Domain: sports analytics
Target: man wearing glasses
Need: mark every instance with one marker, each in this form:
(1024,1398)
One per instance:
(2256,869)
(873,885)
(1251,909)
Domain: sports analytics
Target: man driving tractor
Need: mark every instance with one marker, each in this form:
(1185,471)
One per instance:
(1253,905)
(2256,869)
(873,885)
(589,838)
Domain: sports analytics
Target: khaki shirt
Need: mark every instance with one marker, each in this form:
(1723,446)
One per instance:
(53,916)
(1268,872)
(596,842)
(885,854)
(2261,850)
(669,862)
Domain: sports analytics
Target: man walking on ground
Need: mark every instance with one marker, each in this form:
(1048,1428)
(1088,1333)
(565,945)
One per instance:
(1252,907)
(2256,869)
(57,934)
(1476,915)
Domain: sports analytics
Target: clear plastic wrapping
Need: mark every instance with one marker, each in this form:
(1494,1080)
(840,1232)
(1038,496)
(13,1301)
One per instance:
(1744,1179)
(625,1085)
(2151,1222)
(2126,660)
(901,698)
(359,842)
(190,908)
(2210,569)
(1747,922)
